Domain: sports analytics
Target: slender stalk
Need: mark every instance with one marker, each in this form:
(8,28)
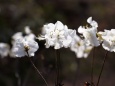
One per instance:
(92,64)
(57,69)
(102,68)
(58,64)
(37,70)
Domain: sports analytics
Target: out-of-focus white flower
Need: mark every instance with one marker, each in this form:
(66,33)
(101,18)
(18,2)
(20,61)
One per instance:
(18,38)
(22,46)
(89,33)
(108,38)
(57,35)
(4,49)
(27,30)
(80,48)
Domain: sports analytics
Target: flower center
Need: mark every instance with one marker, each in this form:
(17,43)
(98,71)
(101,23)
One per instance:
(26,47)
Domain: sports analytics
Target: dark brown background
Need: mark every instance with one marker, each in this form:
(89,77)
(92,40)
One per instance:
(16,14)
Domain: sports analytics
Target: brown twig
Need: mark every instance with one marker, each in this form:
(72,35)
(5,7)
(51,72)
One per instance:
(102,68)
(37,69)
(92,65)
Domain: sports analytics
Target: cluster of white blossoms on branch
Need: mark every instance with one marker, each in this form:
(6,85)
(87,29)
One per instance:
(24,45)
(90,32)
(59,35)
(80,48)
(108,39)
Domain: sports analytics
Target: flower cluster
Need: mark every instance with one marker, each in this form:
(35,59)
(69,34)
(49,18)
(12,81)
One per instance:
(80,48)
(24,45)
(90,32)
(59,35)
(108,39)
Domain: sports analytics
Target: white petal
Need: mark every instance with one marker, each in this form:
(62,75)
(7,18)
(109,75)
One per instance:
(89,20)
(92,22)
(27,30)
(30,37)
(33,46)
(18,52)
(57,46)
(17,35)
(59,25)
(106,46)
(81,29)
(66,43)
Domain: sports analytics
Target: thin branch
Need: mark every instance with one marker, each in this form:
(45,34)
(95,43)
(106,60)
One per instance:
(56,81)
(58,67)
(37,70)
(102,68)
(92,65)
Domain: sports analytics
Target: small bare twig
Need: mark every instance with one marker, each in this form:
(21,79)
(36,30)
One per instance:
(102,68)
(37,69)
(92,65)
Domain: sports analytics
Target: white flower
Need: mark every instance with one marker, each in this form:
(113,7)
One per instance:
(78,46)
(108,40)
(4,49)
(57,35)
(22,46)
(19,40)
(89,33)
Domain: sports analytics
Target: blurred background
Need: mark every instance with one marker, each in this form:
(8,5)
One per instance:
(16,14)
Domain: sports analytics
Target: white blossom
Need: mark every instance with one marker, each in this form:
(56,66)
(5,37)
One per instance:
(89,33)
(80,48)
(24,46)
(57,35)
(4,49)
(18,39)
(108,38)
